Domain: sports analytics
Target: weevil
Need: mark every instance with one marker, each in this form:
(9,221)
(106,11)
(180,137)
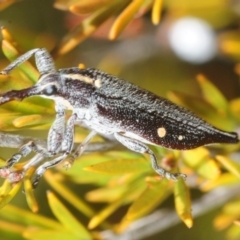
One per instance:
(111,107)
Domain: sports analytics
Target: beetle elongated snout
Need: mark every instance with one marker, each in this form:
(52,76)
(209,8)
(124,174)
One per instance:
(18,94)
(46,86)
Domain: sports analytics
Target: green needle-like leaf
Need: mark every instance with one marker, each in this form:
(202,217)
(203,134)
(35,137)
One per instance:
(183,202)
(5,198)
(213,95)
(225,179)
(230,165)
(154,194)
(16,214)
(76,201)
(50,234)
(199,160)
(120,166)
(87,27)
(12,53)
(66,218)
(88,6)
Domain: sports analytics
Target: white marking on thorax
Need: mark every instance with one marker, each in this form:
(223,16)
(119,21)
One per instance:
(97,83)
(79,77)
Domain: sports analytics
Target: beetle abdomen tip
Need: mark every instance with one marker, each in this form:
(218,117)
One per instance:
(226,137)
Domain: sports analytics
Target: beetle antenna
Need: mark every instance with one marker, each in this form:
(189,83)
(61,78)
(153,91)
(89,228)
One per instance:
(44,61)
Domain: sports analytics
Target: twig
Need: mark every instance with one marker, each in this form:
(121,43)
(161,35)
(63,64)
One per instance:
(164,219)
(17,141)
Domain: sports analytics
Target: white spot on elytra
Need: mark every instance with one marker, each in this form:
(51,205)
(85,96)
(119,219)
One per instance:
(161,132)
(180,137)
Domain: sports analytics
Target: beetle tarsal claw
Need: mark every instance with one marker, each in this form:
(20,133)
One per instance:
(175,176)
(180,175)
(35,181)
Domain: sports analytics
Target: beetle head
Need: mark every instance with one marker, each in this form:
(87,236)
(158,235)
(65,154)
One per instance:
(47,86)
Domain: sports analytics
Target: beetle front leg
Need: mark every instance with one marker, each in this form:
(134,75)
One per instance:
(14,175)
(139,147)
(24,151)
(57,131)
(66,148)
(55,137)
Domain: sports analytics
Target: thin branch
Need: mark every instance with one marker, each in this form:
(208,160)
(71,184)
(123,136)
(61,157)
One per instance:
(17,141)
(163,219)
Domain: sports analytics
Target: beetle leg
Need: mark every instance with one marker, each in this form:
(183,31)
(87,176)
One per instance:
(80,149)
(24,151)
(56,132)
(68,140)
(139,147)
(55,137)
(41,169)
(66,146)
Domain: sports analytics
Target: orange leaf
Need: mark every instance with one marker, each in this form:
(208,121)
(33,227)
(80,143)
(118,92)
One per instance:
(124,18)
(156,11)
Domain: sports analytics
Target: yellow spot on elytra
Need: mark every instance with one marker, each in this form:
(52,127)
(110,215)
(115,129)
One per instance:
(180,137)
(98,83)
(161,132)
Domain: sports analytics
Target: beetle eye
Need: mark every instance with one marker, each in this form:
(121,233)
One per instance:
(50,90)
